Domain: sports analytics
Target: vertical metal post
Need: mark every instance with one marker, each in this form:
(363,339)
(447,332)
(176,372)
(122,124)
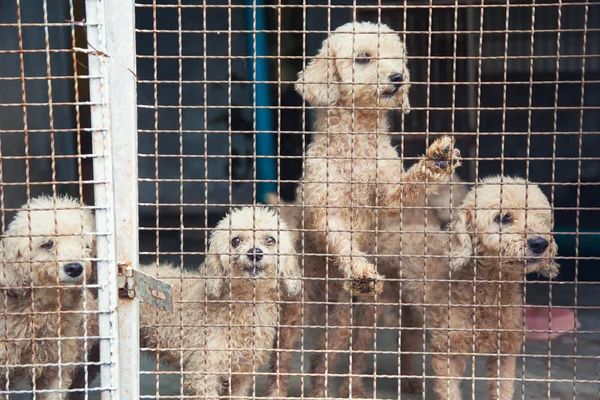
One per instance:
(120,32)
(112,58)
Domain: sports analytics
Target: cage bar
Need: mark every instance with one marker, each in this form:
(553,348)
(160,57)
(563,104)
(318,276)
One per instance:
(112,56)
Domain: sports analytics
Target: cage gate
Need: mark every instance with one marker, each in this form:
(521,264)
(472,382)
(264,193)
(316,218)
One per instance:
(111,51)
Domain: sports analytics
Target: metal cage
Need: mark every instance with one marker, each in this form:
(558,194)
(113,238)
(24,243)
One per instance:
(163,116)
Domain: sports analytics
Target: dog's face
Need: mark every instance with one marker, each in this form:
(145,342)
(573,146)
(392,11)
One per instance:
(252,243)
(361,64)
(513,223)
(49,243)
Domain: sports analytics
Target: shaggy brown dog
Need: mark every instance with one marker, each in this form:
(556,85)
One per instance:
(352,177)
(390,246)
(46,258)
(223,328)
(503,231)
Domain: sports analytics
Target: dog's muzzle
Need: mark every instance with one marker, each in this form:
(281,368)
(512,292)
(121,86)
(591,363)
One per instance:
(73,270)
(254,266)
(397,82)
(536,247)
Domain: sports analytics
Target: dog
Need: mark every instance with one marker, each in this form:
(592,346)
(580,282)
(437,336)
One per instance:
(227,315)
(352,176)
(47,251)
(469,285)
(431,218)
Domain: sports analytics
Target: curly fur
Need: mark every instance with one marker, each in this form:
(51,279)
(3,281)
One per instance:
(351,174)
(227,312)
(33,275)
(390,246)
(476,248)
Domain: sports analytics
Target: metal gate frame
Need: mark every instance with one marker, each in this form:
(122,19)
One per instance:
(112,69)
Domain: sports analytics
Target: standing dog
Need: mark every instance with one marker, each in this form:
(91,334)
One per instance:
(46,258)
(390,247)
(352,175)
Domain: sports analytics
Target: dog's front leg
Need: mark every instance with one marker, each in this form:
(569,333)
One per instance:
(436,166)
(3,385)
(329,346)
(451,367)
(289,336)
(362,341)
(241,381)
(337,238)
(410,343)
(47,379)
(206,386)
(505,388)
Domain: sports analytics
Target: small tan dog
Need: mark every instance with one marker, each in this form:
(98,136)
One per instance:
(352,176)
(46,258)
(227,316)
(390,246)
(503,231)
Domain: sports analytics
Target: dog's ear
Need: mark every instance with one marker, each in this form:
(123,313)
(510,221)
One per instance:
(215,272)
(217,262)
(289,272)
(548,267)
(406,88)
(318,84)
(14,272)
(461,244)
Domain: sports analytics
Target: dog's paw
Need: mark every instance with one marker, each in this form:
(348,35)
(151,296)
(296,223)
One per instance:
(411,385)
(365,281)
(442,157)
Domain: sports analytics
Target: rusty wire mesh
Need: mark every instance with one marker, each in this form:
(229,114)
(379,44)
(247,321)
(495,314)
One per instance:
(514,84)
(55,235)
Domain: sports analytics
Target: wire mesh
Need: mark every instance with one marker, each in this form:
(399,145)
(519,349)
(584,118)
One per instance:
(512,83)
(225,121)
(55,237)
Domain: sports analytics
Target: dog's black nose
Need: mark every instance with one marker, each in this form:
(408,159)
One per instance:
(255,254)
(397,78)
(537,245)
(73,269)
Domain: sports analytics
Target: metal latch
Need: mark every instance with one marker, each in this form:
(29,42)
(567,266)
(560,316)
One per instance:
(135,284)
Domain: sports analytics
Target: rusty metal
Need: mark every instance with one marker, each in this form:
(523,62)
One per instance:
(135,284)
(514,82)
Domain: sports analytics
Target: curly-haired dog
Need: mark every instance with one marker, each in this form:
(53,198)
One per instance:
(231,326)
(46,258)
(433,218)
(503,231)
(352,172)
(351,166)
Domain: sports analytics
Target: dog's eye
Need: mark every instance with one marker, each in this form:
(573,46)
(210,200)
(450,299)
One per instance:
(235,242)
(362,58)
(49,245)
(270,241)
(503,219)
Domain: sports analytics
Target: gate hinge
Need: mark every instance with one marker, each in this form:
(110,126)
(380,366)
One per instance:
(135,284)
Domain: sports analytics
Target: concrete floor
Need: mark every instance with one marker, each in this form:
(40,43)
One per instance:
(572,362)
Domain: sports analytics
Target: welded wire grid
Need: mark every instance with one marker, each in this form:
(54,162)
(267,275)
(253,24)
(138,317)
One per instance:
(513,83)
(52,245)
